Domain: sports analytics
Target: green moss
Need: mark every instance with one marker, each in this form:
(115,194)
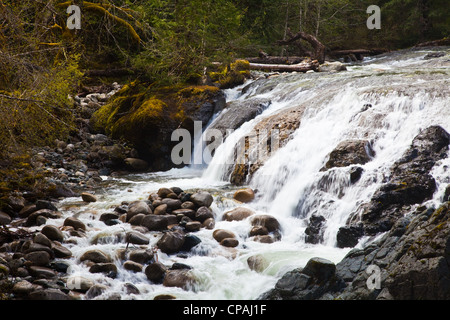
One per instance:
(232,75)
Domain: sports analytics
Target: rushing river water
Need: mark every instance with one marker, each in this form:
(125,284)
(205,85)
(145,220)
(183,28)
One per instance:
(406,92)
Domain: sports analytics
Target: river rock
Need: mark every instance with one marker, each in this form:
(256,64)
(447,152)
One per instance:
(193,226)
(42,239)
(190,241)
(133,266)
(96,256)
(37,258)
(42,272)
(24,287)
(314,230)
(141,256)
(180,278)
(34,218)
(281,126)
(244,195)
(237,214)
(136,238)
(161,209)
(48,294)
(88,197)
(53,233)
(172,204)
(164,192)
(135,220)
(106,267)
(155,272)
(27,210)
(4,218)
(350,152)
(154,222)
(334,66)
(137,207)
(79,283)
(75,223)
(258,231)
(410,182)
(220,234)
(171,242)
(209,223)
(95,291)
(61,252)
(229,242)
(136,164)
(265,220)
(202,198)
(257,263)
(203,213)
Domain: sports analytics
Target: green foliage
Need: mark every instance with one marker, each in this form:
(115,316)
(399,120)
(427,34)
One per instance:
(186,36)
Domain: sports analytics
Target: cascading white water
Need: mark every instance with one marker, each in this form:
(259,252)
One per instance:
(406,94)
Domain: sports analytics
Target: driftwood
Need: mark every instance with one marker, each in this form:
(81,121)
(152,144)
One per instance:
(318,48)
(276,60)
(299,67)
(434,43)
(358,53)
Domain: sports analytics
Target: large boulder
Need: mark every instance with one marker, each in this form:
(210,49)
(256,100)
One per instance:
(279,126)
(146,117)
(244,195)
(237,214)
(350,152)
(311,282)
(202,198)
(171,242)
(410,183)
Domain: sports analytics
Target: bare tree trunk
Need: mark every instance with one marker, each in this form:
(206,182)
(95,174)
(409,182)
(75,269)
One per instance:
(318,47)
(300,67)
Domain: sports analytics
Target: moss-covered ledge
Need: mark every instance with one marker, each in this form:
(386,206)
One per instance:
(145,115)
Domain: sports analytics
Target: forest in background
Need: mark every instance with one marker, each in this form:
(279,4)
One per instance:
(165,42)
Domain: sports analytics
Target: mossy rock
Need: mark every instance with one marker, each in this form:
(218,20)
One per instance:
(146,115)
(231,76)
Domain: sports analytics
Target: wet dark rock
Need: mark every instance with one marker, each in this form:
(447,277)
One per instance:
(202,198)
(410,182)
(350,152)
(96,256)
(156,272)
(190,241)
(171,242)
(238,113)
(348,236)
(53,233)
(75,223)
(155,222)
(314,230)
(49,294)
(180,278)
(136,238)
(317,278)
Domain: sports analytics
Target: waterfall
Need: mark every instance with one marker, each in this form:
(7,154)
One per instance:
(385,101)
(387,109)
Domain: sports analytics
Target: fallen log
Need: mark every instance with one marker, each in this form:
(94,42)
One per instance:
(300,67)
(359,53)
(276,60)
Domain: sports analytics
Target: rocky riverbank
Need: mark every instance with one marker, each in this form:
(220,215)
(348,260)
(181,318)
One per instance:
(411,259)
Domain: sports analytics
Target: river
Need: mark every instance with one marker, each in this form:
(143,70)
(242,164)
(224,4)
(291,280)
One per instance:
(404,92)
